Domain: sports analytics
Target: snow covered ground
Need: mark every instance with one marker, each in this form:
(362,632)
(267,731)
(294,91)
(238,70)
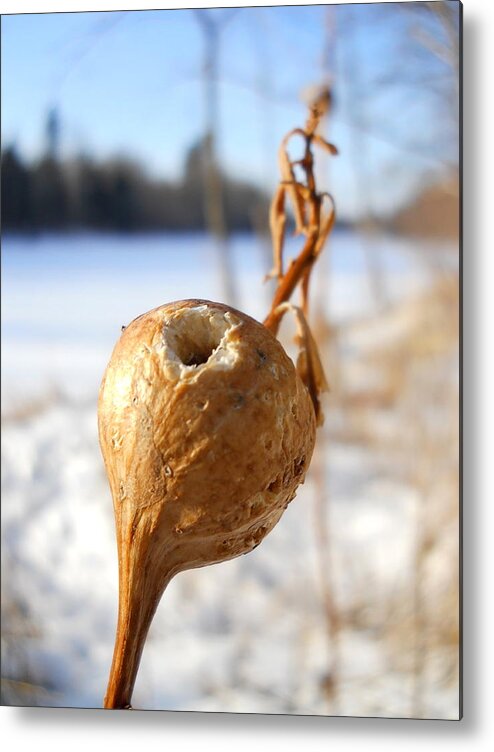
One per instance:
(250,635)
(65,298)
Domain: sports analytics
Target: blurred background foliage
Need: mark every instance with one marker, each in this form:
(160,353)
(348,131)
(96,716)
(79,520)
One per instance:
(115,195)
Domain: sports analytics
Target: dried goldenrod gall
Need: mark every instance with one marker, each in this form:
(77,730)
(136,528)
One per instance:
(206,431)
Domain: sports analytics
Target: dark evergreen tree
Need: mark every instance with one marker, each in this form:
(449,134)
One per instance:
(16,192)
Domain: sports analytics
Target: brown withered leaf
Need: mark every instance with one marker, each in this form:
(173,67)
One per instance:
(309,366)
(326,225)
(277,223)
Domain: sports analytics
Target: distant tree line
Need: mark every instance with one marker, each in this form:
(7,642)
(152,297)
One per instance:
(117,195)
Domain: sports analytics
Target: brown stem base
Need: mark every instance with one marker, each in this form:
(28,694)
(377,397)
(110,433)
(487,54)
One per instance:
(140,589)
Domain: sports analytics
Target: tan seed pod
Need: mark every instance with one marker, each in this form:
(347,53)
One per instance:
(206,430)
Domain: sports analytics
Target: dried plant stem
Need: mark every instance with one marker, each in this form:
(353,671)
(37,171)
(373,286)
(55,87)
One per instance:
(315,225)
(132,628)
(307,206)
(131,634)
(297,270)
(323,543)
(140,588)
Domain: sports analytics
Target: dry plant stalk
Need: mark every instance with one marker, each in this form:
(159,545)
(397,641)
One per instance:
(310,221)
(207,429)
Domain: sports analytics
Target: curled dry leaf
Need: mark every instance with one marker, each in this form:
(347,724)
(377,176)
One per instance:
(309,366)
(277,221)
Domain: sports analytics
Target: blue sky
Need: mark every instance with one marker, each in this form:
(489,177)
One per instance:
(130,83)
